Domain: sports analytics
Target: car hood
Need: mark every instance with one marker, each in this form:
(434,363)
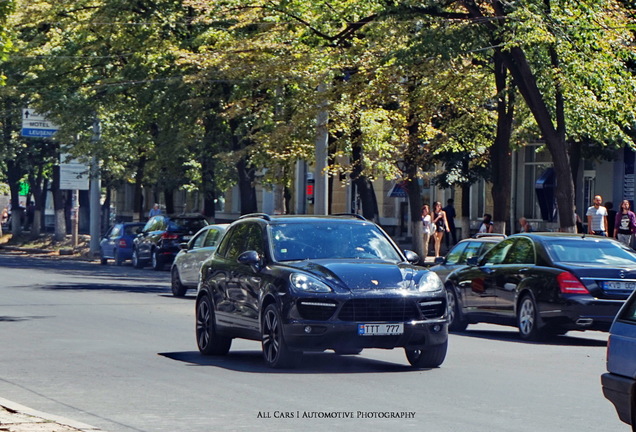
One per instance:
(359,275)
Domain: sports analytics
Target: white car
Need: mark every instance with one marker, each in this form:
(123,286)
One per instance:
(186,265)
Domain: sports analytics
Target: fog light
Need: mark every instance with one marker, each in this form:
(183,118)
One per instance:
(437,328)
(307,329)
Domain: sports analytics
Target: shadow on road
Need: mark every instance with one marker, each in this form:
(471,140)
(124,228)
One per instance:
(115,287)
(512,336)
(312,363)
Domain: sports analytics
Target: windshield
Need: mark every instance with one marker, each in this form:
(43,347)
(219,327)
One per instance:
(333,239)
(590,251)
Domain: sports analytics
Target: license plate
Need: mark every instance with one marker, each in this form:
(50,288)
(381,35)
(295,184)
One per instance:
(380,329)
(619,285)
(186,238)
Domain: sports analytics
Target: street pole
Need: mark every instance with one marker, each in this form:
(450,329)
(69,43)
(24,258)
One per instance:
(74,217)
(95,193)
(322,140)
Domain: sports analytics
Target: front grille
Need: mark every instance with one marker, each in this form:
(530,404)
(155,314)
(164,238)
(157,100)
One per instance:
(433,308)
(316,309)
(379,309)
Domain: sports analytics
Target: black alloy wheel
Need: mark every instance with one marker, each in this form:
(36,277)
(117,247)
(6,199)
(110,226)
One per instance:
(275,351)
(157,264)
(136,262)
(426,358)
(208,341)
(528,319)
(178,290)
(456,321)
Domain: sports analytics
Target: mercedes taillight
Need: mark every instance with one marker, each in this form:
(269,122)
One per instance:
(570,284)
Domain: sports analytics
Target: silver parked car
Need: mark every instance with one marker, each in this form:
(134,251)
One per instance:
(186,265)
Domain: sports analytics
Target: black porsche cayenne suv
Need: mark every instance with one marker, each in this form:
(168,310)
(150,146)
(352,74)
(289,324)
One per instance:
(314,283)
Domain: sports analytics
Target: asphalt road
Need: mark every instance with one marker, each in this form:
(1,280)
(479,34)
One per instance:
(109,346)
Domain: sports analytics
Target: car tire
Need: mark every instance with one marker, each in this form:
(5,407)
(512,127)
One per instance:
(117,258)
(157,264)
(136,262)
(426,358)
(178,290)
(102,260)
(456,321)
(528,319)
(275,351)
(208,340)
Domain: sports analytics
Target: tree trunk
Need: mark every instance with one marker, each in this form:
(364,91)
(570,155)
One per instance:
(247,191)
(554,137)
(138,198)
(364,187)
(413,188)
(59,207)
(500,155)
(208,188)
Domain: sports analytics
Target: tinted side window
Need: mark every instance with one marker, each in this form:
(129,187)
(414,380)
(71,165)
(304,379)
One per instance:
(225,243)
(212,239)
(254,239)
(455,254)
(237,241)
(497,254)
(199,239)
(474,249)
(521,253)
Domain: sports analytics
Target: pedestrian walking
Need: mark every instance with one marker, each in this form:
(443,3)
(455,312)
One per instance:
(611,217)
(441,225)
(625,224)
(451,214)
(597,218)
(427,227)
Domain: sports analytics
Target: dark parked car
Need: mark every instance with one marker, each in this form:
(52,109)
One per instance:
(186,265)
(117,243)
(462,251)
(544,283)
(313,283)
(619,383)
(159,240)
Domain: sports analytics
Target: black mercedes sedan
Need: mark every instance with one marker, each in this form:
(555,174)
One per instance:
(544,283)
(316,283)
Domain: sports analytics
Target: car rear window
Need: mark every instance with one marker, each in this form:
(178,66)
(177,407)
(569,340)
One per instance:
(590,251)
(189,224)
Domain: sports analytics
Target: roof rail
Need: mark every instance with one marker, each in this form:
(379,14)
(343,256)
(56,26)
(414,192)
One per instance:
(354,215)
(256,215)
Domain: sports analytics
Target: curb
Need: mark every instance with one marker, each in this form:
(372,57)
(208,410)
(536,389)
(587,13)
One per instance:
(20,418)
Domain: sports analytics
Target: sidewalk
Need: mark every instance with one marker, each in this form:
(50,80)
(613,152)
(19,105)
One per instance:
(17,418)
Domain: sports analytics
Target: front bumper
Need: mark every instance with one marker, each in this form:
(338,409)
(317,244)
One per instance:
(620,391)
(339,335)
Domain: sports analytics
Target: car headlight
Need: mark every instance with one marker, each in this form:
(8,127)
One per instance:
(430,283)
(308,283)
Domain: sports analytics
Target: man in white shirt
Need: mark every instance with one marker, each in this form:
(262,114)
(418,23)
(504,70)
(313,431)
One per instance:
(597,218)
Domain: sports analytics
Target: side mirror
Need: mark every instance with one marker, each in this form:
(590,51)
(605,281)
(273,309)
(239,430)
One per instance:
(251,258)
(440,260)
(472,261)
(183,246)
(411,256)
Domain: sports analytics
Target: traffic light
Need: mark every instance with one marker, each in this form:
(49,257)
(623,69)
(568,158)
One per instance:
(309,190)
